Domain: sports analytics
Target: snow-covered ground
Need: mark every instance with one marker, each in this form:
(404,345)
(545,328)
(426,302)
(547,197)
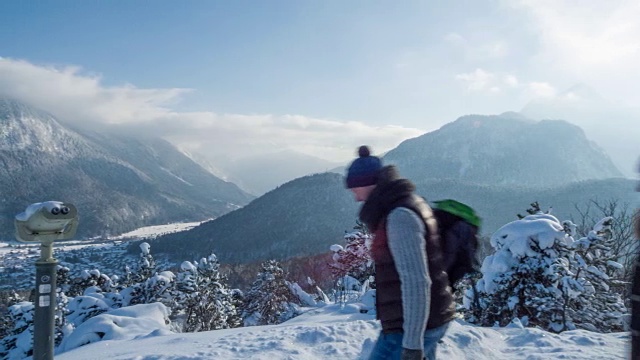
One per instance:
(143,233)
(332,332)
(156,230)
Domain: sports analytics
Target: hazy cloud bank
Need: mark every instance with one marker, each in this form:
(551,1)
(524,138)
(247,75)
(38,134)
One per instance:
(81,98)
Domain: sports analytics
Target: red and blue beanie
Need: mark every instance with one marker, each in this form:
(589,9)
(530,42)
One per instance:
(363,171)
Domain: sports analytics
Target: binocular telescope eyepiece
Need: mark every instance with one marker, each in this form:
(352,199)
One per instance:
(47,221)
(60,210)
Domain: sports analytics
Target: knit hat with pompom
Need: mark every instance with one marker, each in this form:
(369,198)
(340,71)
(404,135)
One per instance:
(363,171)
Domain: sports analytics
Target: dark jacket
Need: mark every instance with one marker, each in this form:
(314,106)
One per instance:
(392,192)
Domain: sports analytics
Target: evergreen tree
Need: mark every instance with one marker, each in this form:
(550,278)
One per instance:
(18,344)
(354,259)
(87,279)
(8,298)
(542,277)
(146,264)
(62,327)
(270,299)
(83,307)
(202,295)
(147,285)
(592,295)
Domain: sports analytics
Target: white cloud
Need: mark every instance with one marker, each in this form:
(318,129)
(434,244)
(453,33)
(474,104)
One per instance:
(484,81)
(597,42)
(511,81)
(541,89)
(587,33)
(491,83)
(76,97)
(478,80)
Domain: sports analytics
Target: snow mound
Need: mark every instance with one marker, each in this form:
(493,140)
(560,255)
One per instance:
(128,323)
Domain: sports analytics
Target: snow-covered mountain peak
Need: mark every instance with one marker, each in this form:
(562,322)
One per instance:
(506,149)
(25,128)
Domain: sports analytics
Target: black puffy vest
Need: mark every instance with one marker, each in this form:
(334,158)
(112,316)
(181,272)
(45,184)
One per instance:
(388,293)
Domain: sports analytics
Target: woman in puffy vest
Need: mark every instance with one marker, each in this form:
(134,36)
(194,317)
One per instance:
(413,298)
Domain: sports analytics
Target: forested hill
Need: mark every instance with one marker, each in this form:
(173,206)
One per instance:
(302,217)
(307,215)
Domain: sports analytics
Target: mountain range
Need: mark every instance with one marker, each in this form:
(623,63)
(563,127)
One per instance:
(614,127)
(496,164)
(118,182)
(507,149)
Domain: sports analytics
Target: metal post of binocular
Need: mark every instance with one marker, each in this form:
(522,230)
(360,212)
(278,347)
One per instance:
(45,223)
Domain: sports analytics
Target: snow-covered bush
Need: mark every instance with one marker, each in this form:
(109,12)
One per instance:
(7,299)
(202,297)
(126,323)
(541,277)
(18,344)
(147,285)
(270,299)
(354,259)
(592,293)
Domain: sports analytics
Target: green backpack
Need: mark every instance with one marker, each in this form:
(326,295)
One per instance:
(458,225)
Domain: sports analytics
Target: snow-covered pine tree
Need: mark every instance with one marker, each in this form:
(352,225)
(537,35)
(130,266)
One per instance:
(237,300)
(7,299)
(62,327)
(202,295)
(270,299)
(519,281)
(87,279)
(126,279)
(592,295)
(542,277)
(354,259)
(63,279)
(146,264)
(147,285)
(83,307)
(18,344)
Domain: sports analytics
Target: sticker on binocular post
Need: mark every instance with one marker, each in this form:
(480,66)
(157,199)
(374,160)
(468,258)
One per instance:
(45,278)
(44,288)
(44,300)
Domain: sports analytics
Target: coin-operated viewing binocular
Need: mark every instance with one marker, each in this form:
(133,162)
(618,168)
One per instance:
(47,222)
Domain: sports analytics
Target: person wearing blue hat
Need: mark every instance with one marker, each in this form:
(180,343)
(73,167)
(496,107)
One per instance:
(414,301)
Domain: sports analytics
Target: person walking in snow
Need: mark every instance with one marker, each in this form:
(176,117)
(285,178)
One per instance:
(414,302)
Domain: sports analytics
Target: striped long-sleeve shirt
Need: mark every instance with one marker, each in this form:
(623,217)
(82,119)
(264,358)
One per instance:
(406,239)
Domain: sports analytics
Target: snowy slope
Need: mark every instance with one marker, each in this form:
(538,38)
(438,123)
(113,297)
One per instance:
(333,333)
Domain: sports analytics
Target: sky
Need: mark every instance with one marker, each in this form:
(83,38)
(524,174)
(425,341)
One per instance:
(233,78)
